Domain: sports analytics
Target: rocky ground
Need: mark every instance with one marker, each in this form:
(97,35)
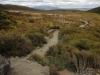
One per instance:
(4,65)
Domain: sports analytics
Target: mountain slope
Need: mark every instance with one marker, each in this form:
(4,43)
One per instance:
(15,7)
(47,7)
(96,10)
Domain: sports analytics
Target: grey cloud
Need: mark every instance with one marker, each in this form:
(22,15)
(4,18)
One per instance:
(59,3)
(25,1)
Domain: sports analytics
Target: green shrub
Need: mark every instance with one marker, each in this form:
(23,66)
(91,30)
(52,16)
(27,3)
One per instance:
(6,21)
(82,44)
(64,56)
(31,21)
(84,59)
(60,56)
(53,70)
(14,45)
(71,67)
(61,62)
(39,59)
(36,38)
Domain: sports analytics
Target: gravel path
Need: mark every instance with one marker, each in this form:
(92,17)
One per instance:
(42,51)
(22,66)
(66,72)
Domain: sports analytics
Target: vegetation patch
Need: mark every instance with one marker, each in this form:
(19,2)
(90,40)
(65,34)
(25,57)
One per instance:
(39,59)
(5,21)
(14,45)
(36,38)
(78,48)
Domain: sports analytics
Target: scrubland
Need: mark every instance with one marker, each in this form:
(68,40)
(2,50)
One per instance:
(78,47)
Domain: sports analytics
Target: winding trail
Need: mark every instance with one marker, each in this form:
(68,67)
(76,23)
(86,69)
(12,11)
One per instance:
(83,25)
(22,66)
(42,51)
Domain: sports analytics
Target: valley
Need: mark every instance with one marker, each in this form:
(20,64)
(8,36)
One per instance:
(50,42)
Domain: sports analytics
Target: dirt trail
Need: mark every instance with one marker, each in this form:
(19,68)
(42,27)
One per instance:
(83,25)
(42,51)
(22,66)
(66,72)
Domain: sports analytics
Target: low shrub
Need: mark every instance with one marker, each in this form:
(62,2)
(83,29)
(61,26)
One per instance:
(59,62)
(14,45)
(39,59)
(84,59)
(82,44)
(31,21)
(45,61)
(36,38)
(60,56)
(5,21)
(54,70)
(64,56)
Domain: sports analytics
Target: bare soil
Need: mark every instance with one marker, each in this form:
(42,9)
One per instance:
(66,72)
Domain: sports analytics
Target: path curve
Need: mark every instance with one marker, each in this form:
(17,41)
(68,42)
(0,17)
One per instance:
(22,66)
(85,23)
(42,51)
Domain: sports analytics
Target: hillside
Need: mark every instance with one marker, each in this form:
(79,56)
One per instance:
(96,10)
(6,21)
(15,7)
(27,32)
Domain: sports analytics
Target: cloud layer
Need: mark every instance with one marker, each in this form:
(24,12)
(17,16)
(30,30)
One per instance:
(58,3)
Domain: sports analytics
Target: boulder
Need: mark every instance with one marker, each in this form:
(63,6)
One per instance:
(4,65)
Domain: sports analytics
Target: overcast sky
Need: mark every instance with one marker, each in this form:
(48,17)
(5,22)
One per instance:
(57,3)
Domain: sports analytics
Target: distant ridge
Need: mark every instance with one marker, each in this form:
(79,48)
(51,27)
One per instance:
(15,7)
(42,7)
(95,10)
(46,7)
